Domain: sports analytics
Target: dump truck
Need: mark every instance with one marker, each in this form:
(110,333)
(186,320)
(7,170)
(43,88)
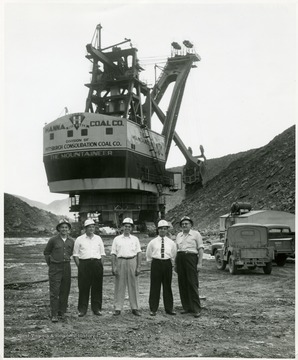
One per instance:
(245,245)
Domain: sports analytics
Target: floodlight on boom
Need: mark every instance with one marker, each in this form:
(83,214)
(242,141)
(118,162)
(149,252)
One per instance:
(188,44)
(176,46)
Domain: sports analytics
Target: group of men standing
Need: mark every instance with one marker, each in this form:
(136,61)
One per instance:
(184,255)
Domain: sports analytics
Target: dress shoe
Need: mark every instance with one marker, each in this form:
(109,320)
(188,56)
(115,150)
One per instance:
(61,315)
(54,319)
(171,312)
(152,313)
(81,314)
(184,312)
(197,315)
(97,313)
(117,312)
(136,312)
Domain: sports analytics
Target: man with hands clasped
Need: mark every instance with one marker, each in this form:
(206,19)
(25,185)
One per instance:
(190,250)
(161,252)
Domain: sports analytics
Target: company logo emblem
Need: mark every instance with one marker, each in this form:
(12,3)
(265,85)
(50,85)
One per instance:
(77,120)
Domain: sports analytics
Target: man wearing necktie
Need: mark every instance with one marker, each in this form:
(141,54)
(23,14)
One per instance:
(161,252)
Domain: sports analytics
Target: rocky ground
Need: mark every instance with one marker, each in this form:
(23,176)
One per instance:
(250,315)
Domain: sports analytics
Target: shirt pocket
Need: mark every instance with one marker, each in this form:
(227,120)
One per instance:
(69,248)
(58,246)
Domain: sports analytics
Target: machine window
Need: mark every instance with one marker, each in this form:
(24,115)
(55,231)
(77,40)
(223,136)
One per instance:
(109,131)
(69,133)
(51,136)
(247,233)
(84,132)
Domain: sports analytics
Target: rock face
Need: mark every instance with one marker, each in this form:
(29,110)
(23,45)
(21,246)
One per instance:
(264,177)
(21,219)
(213,168)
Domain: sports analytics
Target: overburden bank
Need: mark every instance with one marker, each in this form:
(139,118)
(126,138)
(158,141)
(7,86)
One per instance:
(265,177)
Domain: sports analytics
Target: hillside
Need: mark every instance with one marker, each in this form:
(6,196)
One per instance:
(265,177)
(58,207)
(21,219)
(213,168)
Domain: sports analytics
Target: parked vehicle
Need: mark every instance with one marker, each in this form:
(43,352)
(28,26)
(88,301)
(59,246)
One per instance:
(241,212)
(245,245)
(283,240)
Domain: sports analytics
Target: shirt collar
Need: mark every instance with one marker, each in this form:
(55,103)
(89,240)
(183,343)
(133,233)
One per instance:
(189,233)
(89,237)
(123,236)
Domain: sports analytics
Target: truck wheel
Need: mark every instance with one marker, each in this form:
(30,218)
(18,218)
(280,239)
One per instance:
(280,259)
(268,268)
(220,263)
(232,266)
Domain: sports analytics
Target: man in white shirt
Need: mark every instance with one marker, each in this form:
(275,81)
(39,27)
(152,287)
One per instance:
(87,254)
(126,266)
(161,252)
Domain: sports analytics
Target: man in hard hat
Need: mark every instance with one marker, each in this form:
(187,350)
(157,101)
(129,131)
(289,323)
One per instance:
(190,250)
(126,266)
(58,252)
(88,252)
(161,252)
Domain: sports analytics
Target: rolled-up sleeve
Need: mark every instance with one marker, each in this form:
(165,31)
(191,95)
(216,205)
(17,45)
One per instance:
(149,252)
(102,248)
(199,241)
(174,251)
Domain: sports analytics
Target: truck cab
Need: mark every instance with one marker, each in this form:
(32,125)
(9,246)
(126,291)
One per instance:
(282,239)
(245,245)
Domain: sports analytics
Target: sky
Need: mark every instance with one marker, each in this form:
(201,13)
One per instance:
(240,96)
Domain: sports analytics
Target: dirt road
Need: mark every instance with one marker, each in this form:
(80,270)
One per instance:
(250,315)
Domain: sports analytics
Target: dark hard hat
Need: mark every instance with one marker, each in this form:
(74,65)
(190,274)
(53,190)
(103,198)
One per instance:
(61,222)
(186,218)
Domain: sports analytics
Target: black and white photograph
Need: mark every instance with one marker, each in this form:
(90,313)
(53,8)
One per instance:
(148,178)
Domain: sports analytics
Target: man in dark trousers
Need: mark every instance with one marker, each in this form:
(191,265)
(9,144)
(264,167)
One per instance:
(161,252)
(87,254)
(190,251)
(57,253)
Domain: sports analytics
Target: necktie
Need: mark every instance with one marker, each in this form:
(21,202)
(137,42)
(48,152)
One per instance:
(162,247)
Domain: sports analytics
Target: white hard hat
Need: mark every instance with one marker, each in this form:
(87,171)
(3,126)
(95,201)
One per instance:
(89,222)
(163,223)
(127,221)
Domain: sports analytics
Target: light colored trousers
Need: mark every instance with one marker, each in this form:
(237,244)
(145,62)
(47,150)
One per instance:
(126,278)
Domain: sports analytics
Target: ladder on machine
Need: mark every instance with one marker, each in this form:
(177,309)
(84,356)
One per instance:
(147,135)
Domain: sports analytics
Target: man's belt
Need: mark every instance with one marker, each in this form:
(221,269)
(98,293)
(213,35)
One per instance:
(126,258)
(187,252)
(90,259)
